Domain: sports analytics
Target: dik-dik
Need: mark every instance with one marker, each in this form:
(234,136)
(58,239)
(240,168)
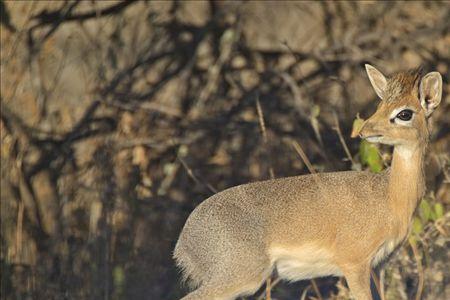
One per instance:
(339,224)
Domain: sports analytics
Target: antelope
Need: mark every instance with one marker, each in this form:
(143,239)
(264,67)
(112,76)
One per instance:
(327,224)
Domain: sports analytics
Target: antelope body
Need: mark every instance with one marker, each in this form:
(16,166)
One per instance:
(340,224)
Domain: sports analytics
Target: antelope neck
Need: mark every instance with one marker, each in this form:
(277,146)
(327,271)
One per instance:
(406,181)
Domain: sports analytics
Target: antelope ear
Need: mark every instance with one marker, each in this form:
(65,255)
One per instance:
(377,80)
(430,92)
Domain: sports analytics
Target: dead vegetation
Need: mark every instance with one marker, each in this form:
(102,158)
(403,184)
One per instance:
(118,118)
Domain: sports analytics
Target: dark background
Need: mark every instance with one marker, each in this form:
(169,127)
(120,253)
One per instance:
(118,118)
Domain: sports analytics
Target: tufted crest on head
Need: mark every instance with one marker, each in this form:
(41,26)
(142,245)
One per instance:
(396,85)
(408,86)
(402,84)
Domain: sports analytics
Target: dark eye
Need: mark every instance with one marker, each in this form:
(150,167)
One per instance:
(405,115)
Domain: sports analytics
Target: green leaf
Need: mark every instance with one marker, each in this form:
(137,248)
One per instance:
(412,239)
(433,216)
(370,156)
(118,276)
(417,226)
(357,125)
(315,111)
(425,210)
(439,210)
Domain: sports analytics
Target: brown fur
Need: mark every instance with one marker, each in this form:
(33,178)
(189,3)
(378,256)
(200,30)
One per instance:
(403,84)
(340,223)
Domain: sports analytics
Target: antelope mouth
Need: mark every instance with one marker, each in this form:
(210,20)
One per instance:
(374,138)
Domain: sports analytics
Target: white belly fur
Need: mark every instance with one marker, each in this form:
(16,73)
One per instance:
(305,262)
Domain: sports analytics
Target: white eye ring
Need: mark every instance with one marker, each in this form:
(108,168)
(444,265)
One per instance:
(396,119)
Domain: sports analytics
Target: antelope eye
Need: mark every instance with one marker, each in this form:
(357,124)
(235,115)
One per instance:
(405,115)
